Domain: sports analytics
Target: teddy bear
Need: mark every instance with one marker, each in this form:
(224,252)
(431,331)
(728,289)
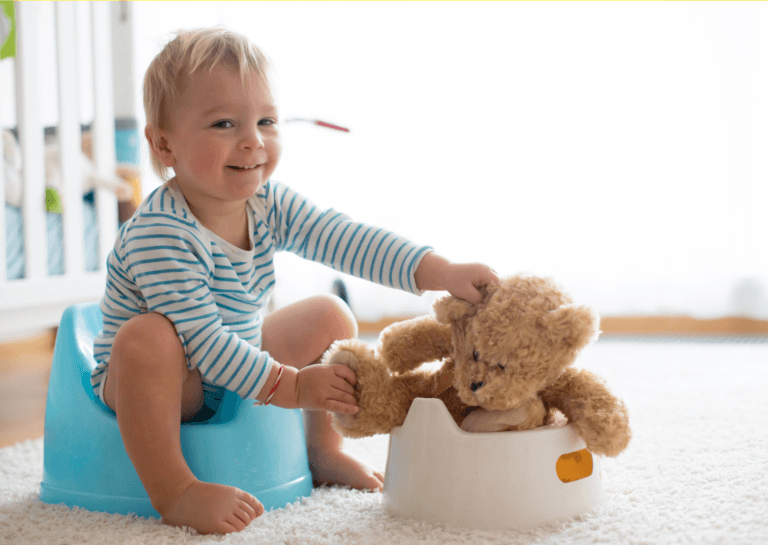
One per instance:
(502,364)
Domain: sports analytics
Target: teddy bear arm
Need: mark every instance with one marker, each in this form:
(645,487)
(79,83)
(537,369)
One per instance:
(601,419)
(383,398)
(406,345)
(384,402)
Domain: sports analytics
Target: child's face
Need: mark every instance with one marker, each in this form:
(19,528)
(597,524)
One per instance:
(223,142)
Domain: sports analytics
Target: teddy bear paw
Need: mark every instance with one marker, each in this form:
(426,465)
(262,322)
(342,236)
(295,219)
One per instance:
(346,358)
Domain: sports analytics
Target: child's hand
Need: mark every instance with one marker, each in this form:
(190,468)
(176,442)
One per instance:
(327,387)
(461,280)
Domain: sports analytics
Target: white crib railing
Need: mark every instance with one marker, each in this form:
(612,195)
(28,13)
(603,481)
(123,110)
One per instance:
(37,301)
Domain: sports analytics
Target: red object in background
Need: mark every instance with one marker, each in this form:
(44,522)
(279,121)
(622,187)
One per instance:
(319,123)
(324,124)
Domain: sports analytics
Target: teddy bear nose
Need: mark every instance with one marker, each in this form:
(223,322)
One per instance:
(475,386)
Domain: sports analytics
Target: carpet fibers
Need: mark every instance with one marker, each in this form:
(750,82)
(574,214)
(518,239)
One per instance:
(695,472)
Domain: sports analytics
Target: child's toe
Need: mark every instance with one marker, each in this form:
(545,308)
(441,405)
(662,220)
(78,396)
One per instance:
(249,511)
(234,521)
(255,505)
(244,516)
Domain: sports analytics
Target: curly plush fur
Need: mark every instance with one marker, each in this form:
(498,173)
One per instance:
(505,366)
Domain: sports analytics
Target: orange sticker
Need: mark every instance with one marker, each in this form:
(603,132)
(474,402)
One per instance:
(574,466)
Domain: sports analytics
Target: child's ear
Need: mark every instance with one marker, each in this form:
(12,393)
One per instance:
(158,145)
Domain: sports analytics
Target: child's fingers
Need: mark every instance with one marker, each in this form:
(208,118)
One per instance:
(344,387)
(346,373)
(347,399)
(485,276)
(470,294)
(339,407)
(493,277)
(466,285)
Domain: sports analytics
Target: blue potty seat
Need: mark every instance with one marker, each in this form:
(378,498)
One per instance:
(261,450)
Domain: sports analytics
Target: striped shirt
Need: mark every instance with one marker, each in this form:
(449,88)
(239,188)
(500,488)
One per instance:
(165,261)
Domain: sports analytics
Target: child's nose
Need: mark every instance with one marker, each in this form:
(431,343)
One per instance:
(252,139)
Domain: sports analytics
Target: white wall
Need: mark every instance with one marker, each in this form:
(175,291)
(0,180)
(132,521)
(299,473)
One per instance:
(619,147)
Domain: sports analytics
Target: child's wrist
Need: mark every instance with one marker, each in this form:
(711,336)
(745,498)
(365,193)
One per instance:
(431,272)
(275,386)
(285,395)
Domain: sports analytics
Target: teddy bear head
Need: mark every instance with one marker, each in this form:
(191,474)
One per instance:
(517,340)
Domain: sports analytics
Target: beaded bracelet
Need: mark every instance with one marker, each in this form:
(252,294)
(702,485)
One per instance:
(274,388)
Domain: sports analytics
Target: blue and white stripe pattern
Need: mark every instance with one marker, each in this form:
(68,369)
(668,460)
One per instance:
(165,261)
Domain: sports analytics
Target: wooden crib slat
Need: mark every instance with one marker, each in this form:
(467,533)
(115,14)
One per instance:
(31,140)
(104,124)
(69,140)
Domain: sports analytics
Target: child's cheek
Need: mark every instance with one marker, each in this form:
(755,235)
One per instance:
(206,159)
(277,153)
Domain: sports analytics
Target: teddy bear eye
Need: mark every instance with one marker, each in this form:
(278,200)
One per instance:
(501,366)
(475,356)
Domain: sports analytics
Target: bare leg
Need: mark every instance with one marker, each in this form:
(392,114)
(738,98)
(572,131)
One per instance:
(151,389)
(298,335)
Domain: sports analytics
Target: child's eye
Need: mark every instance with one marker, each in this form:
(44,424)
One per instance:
(267,122)
(224,124)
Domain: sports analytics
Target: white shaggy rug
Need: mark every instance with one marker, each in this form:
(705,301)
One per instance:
(695,472)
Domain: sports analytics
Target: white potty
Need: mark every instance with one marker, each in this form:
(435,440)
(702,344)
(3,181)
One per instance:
(488,481)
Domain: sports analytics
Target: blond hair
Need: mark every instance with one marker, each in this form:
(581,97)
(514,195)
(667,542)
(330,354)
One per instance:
(189,52)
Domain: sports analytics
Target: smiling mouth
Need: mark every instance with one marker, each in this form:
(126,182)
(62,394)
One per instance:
(243,169)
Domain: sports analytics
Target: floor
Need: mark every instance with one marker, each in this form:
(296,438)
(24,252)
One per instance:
(24,370)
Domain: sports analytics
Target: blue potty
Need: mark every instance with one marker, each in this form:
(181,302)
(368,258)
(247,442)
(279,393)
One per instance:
(261,450)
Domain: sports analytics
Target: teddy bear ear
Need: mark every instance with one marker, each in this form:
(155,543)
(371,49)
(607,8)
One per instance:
(449,309)
(571,325)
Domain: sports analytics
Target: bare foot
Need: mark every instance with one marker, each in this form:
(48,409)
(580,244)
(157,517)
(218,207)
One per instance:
(212,508)
(334,466)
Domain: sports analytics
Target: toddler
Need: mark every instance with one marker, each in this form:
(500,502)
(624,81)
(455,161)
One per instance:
(192,268)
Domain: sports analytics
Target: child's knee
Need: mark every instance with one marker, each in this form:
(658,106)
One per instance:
(146,338)
(337,315)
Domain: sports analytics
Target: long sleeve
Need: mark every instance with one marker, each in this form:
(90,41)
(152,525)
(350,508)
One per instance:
(329,237)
